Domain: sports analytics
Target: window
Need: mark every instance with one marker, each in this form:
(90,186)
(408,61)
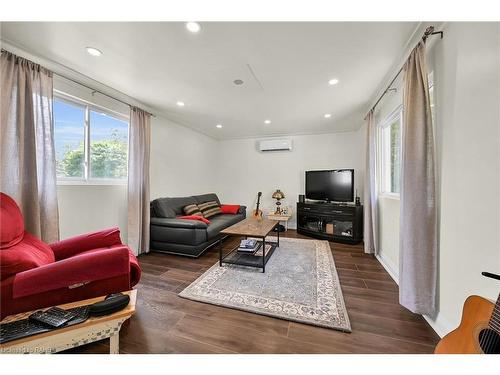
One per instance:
(91,143)
(108,146)
(389,145)
(69,139)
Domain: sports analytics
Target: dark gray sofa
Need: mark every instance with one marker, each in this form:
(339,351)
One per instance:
(186,237)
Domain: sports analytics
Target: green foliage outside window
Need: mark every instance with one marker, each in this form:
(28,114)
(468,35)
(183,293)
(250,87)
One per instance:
(108,159)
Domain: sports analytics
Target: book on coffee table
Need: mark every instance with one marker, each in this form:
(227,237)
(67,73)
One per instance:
(250,250)
(248,244)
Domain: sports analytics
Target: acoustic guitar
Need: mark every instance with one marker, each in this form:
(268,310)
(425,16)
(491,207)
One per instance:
(257,212)
(479,330)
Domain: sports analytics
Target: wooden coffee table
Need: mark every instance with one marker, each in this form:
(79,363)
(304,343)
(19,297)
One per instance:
(93,329)
(251,227)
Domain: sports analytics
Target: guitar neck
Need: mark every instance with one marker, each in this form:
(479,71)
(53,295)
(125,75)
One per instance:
(258,203)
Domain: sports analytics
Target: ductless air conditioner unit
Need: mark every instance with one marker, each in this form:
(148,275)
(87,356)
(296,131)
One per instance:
(275,145)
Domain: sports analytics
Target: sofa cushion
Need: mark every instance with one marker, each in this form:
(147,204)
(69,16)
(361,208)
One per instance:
(220,222)
(11,221)
(25,255)
(192,209)
(210,209)
(186,236)
(171,207)
(206,198)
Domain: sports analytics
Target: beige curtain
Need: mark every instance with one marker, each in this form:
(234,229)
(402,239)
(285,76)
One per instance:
(138,180)
(418,222)
(370,189)
(28,166)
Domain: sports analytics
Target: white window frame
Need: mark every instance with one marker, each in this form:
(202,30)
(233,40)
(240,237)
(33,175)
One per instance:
(88,106)
(430,81)
(382,148)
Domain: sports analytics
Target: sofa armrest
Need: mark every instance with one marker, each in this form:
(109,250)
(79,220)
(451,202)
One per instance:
(177,223)
(73,272)
(94,240)
(242,210)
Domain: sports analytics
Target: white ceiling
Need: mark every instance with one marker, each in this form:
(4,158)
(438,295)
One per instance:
(285,68)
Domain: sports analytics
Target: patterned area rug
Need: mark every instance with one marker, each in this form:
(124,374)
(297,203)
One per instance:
(300,284)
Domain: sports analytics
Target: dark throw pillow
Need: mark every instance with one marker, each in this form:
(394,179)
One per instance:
(192,209)
(209,209)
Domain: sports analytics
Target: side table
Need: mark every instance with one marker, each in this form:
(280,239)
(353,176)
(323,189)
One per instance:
(280,218)
(93,329)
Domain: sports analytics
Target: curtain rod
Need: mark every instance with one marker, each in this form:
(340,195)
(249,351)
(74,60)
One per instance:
(100,92)
(92,89)
(428,32)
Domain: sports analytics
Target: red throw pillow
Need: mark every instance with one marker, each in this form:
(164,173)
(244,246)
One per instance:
(230,208)
(194,217)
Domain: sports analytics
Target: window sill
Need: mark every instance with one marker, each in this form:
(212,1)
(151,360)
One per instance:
(91,182)
(389,196)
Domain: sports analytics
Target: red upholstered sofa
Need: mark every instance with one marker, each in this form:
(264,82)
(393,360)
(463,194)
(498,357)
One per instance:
(34,274)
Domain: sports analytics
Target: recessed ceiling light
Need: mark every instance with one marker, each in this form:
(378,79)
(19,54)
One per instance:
(333,81)
(93,51)
(218,126)
(180,104)
(267,121)
(238,82)
(194,27)
(328,115)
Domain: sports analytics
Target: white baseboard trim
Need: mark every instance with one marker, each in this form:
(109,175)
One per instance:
(389,266)
(440,325)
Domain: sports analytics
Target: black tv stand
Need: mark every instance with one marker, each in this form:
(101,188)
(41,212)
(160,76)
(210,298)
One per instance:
(331,221)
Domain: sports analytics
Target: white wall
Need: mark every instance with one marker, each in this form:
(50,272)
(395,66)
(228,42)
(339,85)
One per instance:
(388,220)
(467,88)
(183,162)
(466,65)
(87,208)
(243,171)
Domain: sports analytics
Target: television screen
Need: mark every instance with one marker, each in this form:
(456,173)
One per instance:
(335,185)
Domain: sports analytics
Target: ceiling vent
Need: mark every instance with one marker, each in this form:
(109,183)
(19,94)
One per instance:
(275,145)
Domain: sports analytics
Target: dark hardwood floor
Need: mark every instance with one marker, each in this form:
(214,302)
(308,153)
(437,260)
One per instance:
(166,323)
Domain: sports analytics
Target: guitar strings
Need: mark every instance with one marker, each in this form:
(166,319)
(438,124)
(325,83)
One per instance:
(490,341)
(492,334)
(486,349)
(487,342)
(482,343)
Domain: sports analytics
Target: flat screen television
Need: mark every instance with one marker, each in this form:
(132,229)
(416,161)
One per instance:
(335,185)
